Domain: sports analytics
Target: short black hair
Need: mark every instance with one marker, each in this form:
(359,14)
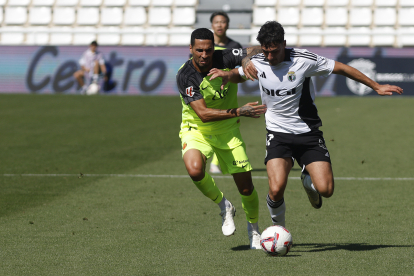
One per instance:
(202,33)
(271,33)
(94,43)
(214,14)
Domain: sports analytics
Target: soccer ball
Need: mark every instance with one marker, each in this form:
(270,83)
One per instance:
(92,89)
(276,240)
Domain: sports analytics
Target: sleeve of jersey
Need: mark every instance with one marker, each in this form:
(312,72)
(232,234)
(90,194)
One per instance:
(241,73)
(188,89)
(321,67)
(233,57)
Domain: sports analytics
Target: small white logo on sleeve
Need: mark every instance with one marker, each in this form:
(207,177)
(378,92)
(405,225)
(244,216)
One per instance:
(238,52)
(189,91)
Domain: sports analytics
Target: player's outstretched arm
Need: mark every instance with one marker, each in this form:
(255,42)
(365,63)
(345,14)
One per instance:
(249,69)
(356,75)
(226,76)
(206,114)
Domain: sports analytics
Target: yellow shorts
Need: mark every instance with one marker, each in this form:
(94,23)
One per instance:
(229,148)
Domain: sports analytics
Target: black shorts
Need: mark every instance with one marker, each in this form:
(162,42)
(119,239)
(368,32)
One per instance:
(305,148)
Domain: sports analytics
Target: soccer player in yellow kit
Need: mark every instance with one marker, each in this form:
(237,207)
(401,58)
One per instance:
(210,124)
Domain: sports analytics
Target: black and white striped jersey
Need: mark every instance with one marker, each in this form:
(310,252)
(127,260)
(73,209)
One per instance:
(288,92)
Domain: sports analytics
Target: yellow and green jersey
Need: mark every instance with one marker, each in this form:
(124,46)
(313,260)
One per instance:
(195,86)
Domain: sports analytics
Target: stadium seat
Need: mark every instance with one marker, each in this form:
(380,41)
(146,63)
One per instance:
(60,38)
(224,5)
(291,36)
(132,38)
(12,38)
(406,37)
(66,3)
(90,3)
(385,3)
(405,17)
(265,3)
(88,16)
(1,15)
(362,3)
(253,40)
(261,15)
(18,2)
(43,3)
(288,16)
(312,16)
(15,16)
(406,3)
(337,38)
(155,38)
(159,16)
(135,16)
(111,16)
(63,16)
(2,2)
(290,3)
(162,3)
(361,37)
(82,37)
(185,3)
(385,16)
(310,37)
(360,17)
(114,3)
(143,3)
(40,15)
(37,37)
(313,3)
(383,36)
(180,39)
(110,37)
(336,16)
(183,16)
(337,3)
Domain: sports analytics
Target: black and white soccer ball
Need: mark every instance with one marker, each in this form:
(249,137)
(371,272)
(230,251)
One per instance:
(276,240)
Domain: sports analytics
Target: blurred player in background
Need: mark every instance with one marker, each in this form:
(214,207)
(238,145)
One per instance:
(292,120)
(210,124)
(219,24)
(92,64)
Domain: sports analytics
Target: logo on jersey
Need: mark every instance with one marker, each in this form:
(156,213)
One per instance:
(263,75)
(238,52)
(365,66)
(218,95)
(291,76)
(279,92)
(189,91)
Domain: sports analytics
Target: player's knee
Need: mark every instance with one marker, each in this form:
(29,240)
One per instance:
(327,189)
(195,172)
(276,191)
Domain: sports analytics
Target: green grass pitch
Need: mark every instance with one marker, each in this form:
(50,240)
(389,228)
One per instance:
(73,224)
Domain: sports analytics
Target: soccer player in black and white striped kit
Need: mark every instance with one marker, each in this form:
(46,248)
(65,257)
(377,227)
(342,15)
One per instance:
(292,120)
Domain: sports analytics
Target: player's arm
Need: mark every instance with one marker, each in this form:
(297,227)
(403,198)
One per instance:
(206,114)
(249,69)
(356,75)
(226,76)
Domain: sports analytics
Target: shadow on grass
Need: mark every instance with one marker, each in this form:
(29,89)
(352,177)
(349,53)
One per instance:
(315,247)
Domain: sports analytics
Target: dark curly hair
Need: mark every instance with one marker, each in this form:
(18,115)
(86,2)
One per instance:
(214,14)
(271,33)
(201,33)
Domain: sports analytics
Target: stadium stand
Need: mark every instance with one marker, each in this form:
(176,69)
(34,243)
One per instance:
(169,22)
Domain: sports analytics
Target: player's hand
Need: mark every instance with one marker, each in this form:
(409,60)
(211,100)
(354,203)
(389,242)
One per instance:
(250,70)
(386,90)
(251,110)
(224,75)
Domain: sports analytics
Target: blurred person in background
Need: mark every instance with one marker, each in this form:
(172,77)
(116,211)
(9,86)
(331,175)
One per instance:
(92,63)
(219,24)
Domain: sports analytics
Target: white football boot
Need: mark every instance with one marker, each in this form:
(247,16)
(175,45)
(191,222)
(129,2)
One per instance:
(227,225)
(215,168)
(314,197)
(254,238)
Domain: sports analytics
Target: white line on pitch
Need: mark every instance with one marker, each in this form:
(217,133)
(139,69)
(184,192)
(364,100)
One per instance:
(186,176)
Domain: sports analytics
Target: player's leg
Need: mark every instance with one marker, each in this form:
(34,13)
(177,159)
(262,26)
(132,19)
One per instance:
(321,177)
(278,171)
(79,77)
(196,150)
(96,70)
(215,165)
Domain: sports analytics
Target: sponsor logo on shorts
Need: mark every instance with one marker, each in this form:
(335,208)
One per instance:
(236,162)
(184,146)
(322,144)
(189,91)
(244,166)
